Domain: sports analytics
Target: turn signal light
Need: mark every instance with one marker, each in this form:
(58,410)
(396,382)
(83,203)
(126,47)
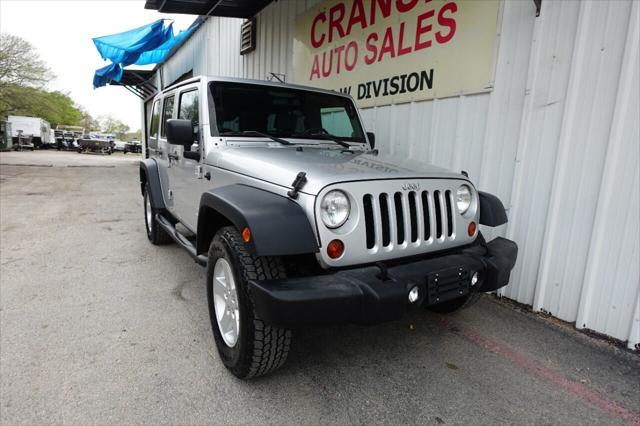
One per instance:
(472,229)
(246,235)
(335,249)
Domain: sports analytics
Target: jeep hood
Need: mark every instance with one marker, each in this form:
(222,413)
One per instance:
(280,165)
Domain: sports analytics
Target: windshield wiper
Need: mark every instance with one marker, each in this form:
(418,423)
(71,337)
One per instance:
(329,137)
(256,133)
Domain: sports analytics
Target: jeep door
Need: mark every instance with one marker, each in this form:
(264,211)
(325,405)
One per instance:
(155,147)
(185,174)
(162,154)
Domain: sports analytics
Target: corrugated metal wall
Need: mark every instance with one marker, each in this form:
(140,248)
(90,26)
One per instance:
(557,140)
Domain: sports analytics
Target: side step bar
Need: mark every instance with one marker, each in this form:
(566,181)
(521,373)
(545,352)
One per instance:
(181,239)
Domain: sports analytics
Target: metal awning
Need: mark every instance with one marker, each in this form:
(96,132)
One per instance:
(138,82)
(228,8)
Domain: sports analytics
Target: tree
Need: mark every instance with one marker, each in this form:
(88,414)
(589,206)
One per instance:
(89,123)
(20,64)
(110,124)
(55,107)
(23,76)
(134,136)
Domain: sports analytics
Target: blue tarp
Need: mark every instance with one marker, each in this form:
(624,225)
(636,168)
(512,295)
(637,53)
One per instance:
(146,45)
(158,54)
(125,48)
(106,74)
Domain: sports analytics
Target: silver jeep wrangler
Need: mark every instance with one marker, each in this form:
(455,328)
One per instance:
(300,221)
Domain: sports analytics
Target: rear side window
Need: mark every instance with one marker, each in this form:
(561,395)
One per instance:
(155,116)
(167,113)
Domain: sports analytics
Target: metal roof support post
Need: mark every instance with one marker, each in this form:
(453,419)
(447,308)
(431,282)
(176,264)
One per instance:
(133,91)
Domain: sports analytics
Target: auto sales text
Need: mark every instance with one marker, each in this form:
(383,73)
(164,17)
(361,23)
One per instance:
(432,26)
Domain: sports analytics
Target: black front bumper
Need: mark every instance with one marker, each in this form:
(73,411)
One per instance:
(375,294)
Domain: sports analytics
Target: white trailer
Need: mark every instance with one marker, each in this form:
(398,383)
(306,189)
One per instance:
(36,127)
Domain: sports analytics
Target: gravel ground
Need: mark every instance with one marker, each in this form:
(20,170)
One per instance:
(97,326)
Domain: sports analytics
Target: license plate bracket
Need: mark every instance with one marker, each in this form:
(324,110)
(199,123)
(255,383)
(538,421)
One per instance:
(447,284)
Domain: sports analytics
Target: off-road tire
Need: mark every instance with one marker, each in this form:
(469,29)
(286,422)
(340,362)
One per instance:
(456,304)
(156,234)
(260,348)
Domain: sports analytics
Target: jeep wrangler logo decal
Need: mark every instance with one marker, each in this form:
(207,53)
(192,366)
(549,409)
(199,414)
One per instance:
(411,187)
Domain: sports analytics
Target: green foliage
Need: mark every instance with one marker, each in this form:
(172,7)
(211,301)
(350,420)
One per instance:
(113,125)
(22,78)
(133,136)
(89,123)
(20,64)
(55,107)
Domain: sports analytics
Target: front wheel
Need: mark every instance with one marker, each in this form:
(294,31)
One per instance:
(156,234)
(247,346)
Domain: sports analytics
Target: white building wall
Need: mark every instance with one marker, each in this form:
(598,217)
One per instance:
(557,140)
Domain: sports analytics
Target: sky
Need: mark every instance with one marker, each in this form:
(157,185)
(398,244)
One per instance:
(61,31)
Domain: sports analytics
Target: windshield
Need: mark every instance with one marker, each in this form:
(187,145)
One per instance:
(284,112)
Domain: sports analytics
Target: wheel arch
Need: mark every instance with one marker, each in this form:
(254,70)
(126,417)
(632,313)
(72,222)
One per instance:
(149,174)
(492,211)
(270,218)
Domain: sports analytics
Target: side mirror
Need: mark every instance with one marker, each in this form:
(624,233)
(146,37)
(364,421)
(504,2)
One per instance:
(372,139)
(180,132)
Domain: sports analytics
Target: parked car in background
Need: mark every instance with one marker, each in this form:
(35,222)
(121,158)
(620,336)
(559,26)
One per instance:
(134,147)
(119,146)
(66,136)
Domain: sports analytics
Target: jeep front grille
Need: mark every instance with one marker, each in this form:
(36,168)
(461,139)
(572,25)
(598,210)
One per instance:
(401,218)
(396,218)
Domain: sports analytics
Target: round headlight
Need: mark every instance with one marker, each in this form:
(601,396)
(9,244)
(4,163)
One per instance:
(335,209)
(463,199)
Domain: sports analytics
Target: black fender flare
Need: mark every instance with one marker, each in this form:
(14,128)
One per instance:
(278,225)
(149,174)
(492,212)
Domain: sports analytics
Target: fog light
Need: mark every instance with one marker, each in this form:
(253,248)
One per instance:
(335,249)
(474,278)
(414,294)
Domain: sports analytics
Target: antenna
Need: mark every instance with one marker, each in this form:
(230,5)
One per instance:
(275,76)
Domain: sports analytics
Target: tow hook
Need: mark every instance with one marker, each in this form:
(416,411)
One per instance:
(384,274)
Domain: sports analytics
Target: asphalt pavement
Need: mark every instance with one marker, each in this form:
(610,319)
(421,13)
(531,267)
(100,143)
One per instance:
(98,326)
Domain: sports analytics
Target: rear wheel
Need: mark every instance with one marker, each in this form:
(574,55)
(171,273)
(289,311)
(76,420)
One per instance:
(247,346)
(156,234)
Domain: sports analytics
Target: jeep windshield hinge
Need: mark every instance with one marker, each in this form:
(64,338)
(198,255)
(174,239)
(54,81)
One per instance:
(297,185)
